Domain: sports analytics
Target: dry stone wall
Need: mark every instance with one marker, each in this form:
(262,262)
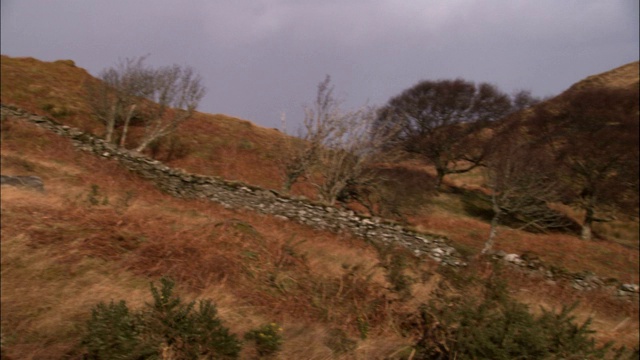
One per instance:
(238,195)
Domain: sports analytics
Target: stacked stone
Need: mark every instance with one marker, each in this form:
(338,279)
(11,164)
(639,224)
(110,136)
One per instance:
(233,194)
(238,195)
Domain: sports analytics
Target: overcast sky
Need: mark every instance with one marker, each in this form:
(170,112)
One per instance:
(259,58)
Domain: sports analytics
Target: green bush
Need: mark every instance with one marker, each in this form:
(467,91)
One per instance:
(113,332)
(395,262)
(168,328)
(268,339)
(498,327)
(55,109)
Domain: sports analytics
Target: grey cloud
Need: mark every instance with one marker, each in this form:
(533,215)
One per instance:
(262,57)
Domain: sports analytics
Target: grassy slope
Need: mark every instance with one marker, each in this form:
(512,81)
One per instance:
(218,144)
(624,76)
(60,254)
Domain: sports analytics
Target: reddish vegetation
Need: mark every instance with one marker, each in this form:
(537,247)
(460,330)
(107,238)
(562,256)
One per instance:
(61,254)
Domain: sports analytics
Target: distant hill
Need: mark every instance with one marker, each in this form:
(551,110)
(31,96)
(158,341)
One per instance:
(625,76)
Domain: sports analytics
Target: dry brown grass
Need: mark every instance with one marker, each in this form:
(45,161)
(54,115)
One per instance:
(256,269)
(61,254)
(624,76)
(614,319)
(46,286)
(605,258)
(216,144)
(47,88)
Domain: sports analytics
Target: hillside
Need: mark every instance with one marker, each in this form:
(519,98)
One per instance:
(216,144)
(624,76)
(99,232)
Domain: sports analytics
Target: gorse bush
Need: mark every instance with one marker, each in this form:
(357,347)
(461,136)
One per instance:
(498,327)
(165,329)
(267,338)
(113,332)
(189,334)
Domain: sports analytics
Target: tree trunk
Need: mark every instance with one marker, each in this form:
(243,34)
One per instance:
(587,233)
(493,232)
(144,144)
(111,124)
(160,128)
(288,183)
(328,194)
(292,174)
(440,173)
(125,128)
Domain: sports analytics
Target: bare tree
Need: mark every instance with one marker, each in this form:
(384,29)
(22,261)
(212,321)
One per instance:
(296,158)
(127,89)
(290,150)
(338,148)
(348,157)
(319,124)
(522,182)
(439,120)
(523,99)
(115,98)
(177,92)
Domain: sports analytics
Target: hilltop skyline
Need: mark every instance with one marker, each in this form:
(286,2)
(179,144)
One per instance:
(261,59)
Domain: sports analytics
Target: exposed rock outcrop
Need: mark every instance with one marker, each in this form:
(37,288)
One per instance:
(33,182)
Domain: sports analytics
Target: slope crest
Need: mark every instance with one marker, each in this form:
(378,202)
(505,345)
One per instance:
(625,76)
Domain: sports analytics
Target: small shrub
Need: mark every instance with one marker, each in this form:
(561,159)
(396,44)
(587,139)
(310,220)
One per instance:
(113,332)
(464,250)
(363,327)
(498,327)
(125,200)
(70,63)
(245,144)
(267,338)
(167,328)
(403,192)
(95,196)
(177,149)
(395,263)
(154,148)
(291,255)
(169,148)
(188,333)
(55,110)
(46,106)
